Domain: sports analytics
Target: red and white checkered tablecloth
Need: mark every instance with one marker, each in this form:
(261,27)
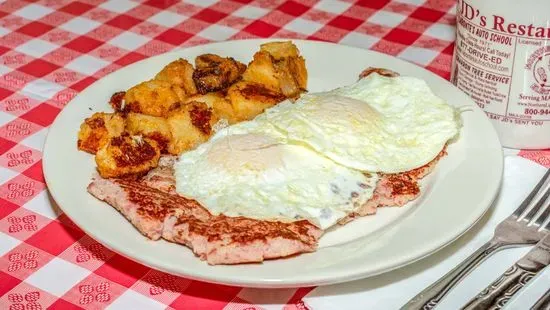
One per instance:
(52,49)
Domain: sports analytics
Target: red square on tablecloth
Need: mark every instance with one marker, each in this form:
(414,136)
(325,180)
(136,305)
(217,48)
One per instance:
(8,207)
(35,29)
(122,270)
(344,22)
(76,8)
(36,172)
(124,21)
(55,238)
(5,145)
(210,16)
(82,84)
(38,68)
(427,14)
(293,8)
(161,4)
(374,4)
(130,58)
(43,114)
(83,44)
(174,37)
(7,283)
(402,36)
(23,261)
(205,295)
(261,28)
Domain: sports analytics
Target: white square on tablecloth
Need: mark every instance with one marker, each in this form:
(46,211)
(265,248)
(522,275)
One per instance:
(33,11)
(118,6)
(305,26)
(217,32)
(36,47)
(250,11)
(203,3)
(129,40)
(58,276)
(415,2)
(441,31)
(134,300)
(332,6)
(6,118)
(4,31)
(41,89)
(389,19)
(6,175)
(7,243)
(167,19)
(359,40)
(418,55)
(80,25)
(87,64)
(36,140)
(4,69)
(42,205)
(267,299)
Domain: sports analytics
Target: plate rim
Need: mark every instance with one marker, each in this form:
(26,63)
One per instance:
(313,280)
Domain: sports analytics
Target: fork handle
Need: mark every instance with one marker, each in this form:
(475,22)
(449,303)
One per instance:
(430,297)
(498,293)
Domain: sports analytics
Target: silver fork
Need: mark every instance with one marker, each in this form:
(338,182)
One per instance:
(512,232)
(497,294)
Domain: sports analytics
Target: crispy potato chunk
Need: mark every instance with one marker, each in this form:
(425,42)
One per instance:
(152,97)
(279,66)
(127,156)
(250,99)
(152,127)
(180,74)
(219,104)
(96,131)
(191,124)
(214,73)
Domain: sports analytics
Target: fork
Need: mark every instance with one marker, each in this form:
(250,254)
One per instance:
(511,232)
(498,293)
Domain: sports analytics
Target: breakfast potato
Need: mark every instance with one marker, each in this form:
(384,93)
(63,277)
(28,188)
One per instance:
(221,107)
(96,131)
(190,124)
(152,97)
(213,73)
(249,99)
(179,73)
(152,127)
(279,66)
(127,156)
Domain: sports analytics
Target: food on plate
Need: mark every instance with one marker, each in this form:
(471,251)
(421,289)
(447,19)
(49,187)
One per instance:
(214,157)
(279,67)
(153,97)
(254,175)
(152,127)
(378,124)
(182,106)
(98,129)
(127,155)
(248,99)
(179,73)
(190,125)
(216,239)
(215,73)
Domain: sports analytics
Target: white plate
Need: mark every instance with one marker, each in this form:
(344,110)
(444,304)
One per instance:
(454,196)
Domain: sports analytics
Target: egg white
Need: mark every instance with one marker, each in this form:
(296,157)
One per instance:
(255,176)
(378,124)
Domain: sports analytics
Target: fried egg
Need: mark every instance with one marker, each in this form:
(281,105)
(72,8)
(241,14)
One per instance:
(256,176)
(379,124)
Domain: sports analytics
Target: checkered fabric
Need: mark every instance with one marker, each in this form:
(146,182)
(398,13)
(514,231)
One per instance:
(52,49)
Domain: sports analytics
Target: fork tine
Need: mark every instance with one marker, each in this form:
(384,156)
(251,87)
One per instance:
(544,213)
(527,202)
(533,212)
